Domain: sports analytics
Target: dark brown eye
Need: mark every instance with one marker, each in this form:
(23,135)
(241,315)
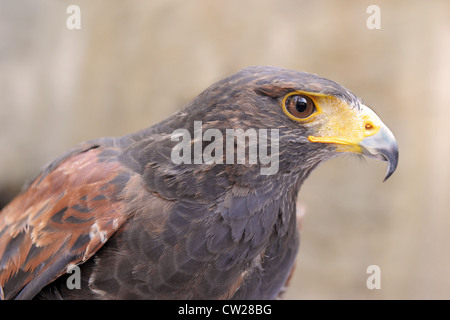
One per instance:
(300,106)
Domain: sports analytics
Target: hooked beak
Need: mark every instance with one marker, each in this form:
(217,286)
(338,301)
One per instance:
(382,146)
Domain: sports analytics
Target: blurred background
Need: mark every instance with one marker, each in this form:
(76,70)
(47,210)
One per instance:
(134,63)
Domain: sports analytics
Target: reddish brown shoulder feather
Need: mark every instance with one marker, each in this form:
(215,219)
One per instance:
(62,218)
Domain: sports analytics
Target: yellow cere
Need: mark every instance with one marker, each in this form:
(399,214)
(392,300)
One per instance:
(341,124)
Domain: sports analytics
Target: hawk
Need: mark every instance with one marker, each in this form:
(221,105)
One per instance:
(150,215)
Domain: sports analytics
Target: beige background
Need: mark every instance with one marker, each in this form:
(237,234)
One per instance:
(133,63)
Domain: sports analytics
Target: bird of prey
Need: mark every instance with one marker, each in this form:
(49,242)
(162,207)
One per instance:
(144,216)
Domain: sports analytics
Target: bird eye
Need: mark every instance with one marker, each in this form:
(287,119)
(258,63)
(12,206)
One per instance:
(299,106)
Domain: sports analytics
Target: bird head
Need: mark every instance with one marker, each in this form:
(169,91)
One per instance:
(316,117)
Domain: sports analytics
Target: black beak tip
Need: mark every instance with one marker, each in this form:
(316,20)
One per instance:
(392,159)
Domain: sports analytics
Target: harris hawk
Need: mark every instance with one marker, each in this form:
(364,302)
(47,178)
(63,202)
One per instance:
(140,225)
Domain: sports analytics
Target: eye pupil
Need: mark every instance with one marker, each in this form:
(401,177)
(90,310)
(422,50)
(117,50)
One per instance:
(301,104)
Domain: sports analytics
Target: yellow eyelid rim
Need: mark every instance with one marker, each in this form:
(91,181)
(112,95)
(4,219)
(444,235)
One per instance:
(311,96)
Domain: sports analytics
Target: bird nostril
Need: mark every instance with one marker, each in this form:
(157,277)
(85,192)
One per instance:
(370,128)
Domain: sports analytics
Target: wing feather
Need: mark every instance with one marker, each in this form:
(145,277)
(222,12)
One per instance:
(62,218)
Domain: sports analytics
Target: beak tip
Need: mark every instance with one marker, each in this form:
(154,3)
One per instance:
(392,159)
(388,175)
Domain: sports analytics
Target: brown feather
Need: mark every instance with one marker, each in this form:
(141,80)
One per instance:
(71,210)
